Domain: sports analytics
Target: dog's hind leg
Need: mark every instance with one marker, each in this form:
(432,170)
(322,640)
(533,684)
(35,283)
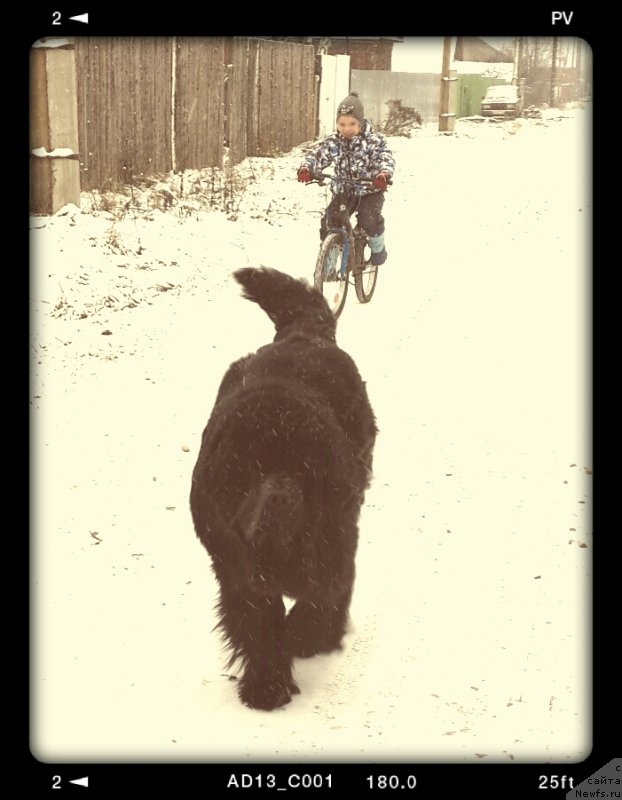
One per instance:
(255,629)
(317,626)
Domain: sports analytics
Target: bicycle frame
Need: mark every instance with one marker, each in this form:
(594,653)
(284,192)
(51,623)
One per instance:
(340,222)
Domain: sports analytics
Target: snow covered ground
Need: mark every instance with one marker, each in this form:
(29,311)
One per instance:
(470,634)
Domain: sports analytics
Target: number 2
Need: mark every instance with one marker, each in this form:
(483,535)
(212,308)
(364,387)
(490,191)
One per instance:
(56,21)
(56,782)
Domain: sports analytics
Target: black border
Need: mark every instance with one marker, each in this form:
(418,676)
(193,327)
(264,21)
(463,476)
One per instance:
(433,779)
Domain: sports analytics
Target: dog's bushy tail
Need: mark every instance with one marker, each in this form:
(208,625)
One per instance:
(287,301)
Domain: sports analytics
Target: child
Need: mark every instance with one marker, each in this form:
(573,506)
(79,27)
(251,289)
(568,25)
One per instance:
(355,151)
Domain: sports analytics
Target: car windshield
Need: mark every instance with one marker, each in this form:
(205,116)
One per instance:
(494,92)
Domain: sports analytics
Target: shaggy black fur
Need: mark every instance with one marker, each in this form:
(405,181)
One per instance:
(278,485)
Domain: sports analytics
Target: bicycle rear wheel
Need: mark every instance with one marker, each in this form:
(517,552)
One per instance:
(365,278)
(328,277)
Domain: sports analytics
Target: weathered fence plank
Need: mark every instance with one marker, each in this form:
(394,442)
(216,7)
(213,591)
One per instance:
(236,99)
(267,107)
(252,126)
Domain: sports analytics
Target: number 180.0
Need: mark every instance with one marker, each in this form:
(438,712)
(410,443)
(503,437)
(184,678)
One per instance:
(391,782)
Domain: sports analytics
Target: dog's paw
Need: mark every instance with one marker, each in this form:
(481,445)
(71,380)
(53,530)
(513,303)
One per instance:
(267,694)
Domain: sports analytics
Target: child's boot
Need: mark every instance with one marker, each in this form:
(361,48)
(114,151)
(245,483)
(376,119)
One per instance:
(378,251)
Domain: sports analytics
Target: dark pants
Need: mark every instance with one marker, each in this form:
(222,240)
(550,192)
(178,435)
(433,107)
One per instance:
(369,212)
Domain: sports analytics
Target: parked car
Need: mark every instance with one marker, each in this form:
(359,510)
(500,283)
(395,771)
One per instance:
(504,100)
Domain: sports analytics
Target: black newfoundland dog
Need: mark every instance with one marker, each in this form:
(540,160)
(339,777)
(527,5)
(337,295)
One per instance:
(278,485)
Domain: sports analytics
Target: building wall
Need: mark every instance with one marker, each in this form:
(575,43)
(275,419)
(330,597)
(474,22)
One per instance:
(364,53)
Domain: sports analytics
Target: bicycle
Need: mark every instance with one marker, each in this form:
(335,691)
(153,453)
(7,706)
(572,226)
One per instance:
(344,253)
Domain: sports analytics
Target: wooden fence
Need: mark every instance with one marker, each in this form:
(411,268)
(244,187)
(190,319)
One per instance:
(124,109)
(151,105)
(199,103)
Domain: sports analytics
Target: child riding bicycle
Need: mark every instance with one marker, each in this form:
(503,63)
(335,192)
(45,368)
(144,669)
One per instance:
(356,151)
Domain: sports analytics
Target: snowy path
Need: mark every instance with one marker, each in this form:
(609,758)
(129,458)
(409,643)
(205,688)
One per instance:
(470,630)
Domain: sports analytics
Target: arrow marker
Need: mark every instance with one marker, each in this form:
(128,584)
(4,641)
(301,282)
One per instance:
(81,782)
(80,18)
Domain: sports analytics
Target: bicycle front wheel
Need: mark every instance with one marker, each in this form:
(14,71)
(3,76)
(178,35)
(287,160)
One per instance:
(365,281)
(328,277)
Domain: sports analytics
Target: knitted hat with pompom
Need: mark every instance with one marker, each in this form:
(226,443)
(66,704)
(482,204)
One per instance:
(351,106)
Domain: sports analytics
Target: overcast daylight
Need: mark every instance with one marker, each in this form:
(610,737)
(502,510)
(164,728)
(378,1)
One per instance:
(469,637)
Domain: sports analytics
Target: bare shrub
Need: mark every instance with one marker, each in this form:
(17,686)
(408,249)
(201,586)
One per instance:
(401,120)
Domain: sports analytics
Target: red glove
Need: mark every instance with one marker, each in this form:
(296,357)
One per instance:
(381,181)
(304,175)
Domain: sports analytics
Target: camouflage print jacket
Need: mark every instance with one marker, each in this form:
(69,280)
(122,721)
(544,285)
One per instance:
(363,156)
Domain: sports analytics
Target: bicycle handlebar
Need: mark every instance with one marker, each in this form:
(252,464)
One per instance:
(320,179)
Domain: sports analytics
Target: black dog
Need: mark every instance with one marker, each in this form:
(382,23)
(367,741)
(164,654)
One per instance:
(278,485)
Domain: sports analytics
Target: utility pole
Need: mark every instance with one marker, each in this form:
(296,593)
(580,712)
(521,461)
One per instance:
(520,57)
(552,98)
(580,89)
(447,117)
